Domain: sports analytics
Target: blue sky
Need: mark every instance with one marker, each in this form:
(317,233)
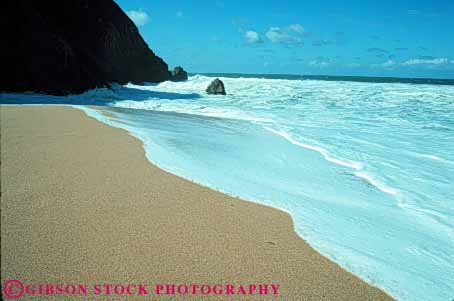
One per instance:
(350,37)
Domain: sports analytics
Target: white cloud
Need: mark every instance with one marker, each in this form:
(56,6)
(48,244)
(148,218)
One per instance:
(434,61)
(140,18)
(292,34)
(252,37)
(274,34)
(389,64)
(297,28)
(179,14)
(320,63)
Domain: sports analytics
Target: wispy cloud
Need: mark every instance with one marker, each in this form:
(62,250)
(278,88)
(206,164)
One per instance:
(289,35)
(421,62)
(252,37)
(427,61)
(323,42)
(413,12)
(388,65)
(320,62)
(419,13)
(139,17)
(426,57)
(297,28)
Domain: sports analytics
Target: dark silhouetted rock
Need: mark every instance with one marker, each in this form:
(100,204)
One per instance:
(63,47)
(178,74)
(216,87)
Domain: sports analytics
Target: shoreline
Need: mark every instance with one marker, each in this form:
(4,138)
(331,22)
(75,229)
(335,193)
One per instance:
(226,239)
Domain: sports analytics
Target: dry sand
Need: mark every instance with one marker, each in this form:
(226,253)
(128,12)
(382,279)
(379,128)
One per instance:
(80,203)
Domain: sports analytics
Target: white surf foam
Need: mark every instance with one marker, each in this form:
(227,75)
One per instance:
(322,151)
(371,179)
(433,157)
(187,108)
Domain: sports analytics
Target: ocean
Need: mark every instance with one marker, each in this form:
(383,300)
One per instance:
(365,166)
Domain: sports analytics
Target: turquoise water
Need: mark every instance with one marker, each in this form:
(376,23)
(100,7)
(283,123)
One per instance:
(366,170)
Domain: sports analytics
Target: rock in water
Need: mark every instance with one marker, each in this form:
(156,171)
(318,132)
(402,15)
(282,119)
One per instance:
(216,87)
(178,74)
(63,47)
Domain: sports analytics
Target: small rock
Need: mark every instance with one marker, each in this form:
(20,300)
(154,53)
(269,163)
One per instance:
(216,87)
(178,74)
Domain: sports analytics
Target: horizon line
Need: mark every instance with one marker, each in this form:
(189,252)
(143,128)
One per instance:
(361,78)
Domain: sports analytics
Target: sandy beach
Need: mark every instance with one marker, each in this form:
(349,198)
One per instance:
(80,203)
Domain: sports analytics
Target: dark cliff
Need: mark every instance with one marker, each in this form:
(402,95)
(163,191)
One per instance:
(63,47)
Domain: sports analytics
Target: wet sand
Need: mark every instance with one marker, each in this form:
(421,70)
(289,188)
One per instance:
(80,203)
